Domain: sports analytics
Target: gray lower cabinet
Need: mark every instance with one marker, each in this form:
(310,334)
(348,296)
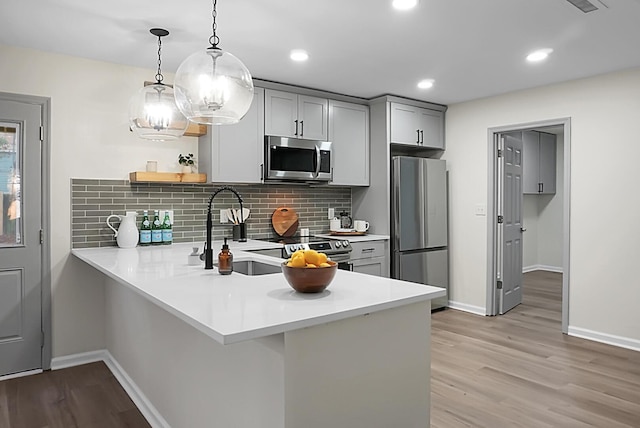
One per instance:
(349,133)
(417,126)
(370,257)
(234,153)
(539,163)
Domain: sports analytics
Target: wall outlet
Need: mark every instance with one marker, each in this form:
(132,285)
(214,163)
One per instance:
(223,216)
(481,210)
(162,212)
(331,213)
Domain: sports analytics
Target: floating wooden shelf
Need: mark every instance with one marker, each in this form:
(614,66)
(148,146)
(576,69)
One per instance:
(195,130)
(166,177)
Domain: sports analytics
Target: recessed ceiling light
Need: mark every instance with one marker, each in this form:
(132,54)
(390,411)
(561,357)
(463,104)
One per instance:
(426,84)
(299,55)
(404,4)
(539,55)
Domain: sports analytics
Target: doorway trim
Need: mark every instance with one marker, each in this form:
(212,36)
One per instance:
(492,189)
(45,250)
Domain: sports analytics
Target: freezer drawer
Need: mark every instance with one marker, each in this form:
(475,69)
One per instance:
(425,267)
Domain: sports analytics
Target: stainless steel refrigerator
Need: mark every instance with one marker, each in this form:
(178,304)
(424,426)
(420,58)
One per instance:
(419,223)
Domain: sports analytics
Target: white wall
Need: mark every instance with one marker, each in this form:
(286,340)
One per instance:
(604,114)
(90,138)
(542,217)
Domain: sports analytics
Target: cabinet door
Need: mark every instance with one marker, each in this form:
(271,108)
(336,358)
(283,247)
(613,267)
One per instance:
(530,160)
(431,128)
(312,118)
(404,124)
(374,266)
(349,133)
(280,113)
(547,163)
(234,153)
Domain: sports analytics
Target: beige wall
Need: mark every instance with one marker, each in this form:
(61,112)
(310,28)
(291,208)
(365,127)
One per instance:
(90,138)
(604,114)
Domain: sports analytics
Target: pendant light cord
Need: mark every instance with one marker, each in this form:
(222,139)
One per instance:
(214,39)
(159,76)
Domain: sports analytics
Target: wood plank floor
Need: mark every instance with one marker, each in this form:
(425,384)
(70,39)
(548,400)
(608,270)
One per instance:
(519,370)
(86,396)
(516,370)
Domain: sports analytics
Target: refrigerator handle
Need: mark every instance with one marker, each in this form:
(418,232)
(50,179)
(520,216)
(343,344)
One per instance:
(395,204)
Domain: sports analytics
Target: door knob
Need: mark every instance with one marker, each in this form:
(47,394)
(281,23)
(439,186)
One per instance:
(522,229)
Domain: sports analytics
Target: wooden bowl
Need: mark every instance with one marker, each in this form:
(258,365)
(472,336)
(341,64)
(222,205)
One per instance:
(309,280)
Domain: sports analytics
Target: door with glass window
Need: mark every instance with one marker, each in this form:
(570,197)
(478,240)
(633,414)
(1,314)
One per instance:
(20,237)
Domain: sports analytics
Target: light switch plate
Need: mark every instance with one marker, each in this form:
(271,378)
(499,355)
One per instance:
(481,210)
(331,213)
(223,216)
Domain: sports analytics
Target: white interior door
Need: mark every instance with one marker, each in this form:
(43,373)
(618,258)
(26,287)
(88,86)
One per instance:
(21,336)
(510,230)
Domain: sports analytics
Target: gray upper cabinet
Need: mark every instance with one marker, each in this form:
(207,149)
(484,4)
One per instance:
(349,133)
(416,126)
(295,116)
(539,162)
(234,153)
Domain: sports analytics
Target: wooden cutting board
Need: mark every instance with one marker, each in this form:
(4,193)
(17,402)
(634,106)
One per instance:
(284,221)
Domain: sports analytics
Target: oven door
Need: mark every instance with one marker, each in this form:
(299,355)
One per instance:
(343,261)
(296,159)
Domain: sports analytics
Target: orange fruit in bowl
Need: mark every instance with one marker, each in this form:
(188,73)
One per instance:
(297,260)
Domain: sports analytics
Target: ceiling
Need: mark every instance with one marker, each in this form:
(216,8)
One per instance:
(364,48)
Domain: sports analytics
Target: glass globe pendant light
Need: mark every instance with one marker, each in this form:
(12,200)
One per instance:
(212,86)
(153,114)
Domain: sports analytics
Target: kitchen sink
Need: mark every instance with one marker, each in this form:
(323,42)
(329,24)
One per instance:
(254,267)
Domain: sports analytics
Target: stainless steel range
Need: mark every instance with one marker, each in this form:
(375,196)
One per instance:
(336,250)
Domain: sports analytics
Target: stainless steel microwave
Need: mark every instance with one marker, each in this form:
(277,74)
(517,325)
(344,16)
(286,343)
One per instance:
(293,159)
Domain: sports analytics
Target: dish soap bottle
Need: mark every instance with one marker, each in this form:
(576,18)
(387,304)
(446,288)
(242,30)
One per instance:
(225,260)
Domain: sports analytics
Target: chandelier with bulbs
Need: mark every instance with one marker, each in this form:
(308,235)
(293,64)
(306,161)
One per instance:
(211,86)
(153,114)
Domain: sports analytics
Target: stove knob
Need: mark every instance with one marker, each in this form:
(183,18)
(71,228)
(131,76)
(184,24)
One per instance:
(345,244)
(338,244)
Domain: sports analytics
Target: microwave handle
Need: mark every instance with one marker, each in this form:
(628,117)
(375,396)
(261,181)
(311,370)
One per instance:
(318,159)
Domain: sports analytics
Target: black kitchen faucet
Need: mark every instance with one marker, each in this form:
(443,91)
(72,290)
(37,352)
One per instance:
(208,251)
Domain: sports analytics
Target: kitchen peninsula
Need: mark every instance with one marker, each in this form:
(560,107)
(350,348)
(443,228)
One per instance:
(206,350)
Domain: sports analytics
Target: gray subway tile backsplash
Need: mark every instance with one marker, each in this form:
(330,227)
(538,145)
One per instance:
(92,201)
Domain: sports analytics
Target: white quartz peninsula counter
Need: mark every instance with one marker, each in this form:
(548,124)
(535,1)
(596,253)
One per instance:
(354,355)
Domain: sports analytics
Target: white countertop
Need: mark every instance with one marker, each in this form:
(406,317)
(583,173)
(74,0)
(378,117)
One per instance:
(355,238)
(236,307)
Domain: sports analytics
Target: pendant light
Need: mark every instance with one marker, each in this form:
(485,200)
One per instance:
(212,86)
(153,113)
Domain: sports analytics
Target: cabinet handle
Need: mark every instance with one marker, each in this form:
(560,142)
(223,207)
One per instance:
(418,131)
(301,128)
(421,137)
(541,187)
(262,172)
(296,122)
(368,250)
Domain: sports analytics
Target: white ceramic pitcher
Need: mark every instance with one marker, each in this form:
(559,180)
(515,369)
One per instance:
(127,234)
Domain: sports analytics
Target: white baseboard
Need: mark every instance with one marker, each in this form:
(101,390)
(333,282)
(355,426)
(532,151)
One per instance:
(73,360)
(467,308)
(542,267)
(141,401)
(609,339)
(20,374)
